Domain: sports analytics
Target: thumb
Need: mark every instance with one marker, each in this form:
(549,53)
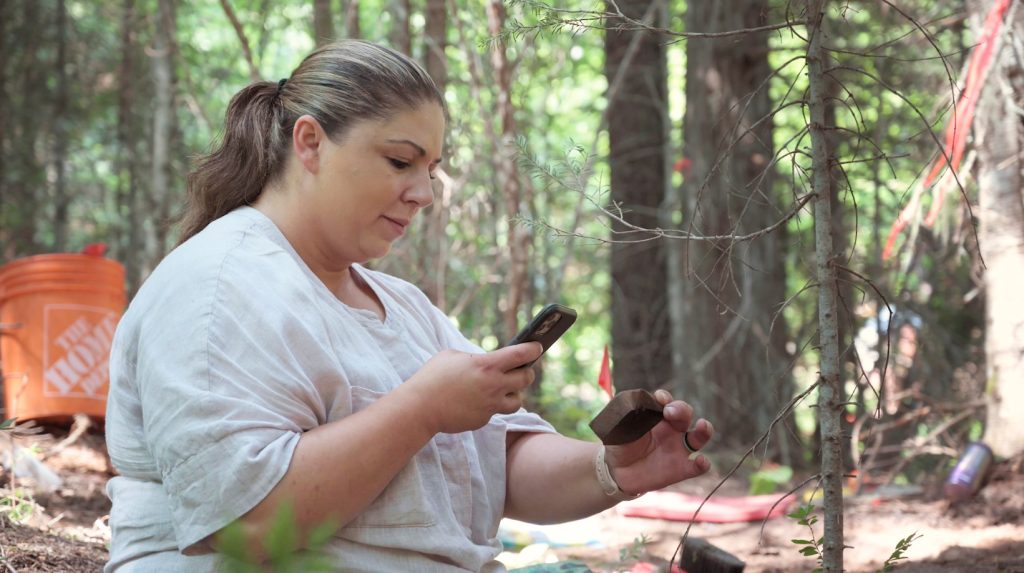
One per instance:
(512,357)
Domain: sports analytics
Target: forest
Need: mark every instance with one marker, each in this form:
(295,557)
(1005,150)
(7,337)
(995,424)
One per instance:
(806,219)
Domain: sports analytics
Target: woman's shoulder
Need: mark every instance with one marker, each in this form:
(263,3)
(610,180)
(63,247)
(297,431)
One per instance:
(236,258)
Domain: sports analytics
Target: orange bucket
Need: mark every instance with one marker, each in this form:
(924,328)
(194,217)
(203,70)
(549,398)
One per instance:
(57,318)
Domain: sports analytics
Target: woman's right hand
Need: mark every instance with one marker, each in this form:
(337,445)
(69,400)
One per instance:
(459,391)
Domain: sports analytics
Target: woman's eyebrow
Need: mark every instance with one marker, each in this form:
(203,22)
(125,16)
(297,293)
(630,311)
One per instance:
(419,149)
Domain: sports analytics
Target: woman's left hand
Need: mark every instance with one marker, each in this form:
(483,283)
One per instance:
(660,458)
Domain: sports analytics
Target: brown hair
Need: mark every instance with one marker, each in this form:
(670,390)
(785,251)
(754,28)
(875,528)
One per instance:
(339,85)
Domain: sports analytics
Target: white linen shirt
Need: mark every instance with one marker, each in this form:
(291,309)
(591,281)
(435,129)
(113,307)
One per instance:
(230,351)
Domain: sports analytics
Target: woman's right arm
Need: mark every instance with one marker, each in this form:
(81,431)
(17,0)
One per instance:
(339,468)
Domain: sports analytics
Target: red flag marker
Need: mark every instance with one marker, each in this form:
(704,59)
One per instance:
(604,378)
(95,249)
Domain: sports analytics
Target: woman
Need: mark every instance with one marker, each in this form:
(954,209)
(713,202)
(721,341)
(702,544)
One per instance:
(262,365)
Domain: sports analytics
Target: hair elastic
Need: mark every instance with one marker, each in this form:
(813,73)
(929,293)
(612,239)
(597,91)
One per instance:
(280,85)
(608,483)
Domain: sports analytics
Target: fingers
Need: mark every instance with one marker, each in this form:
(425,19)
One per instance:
(678,414)
(663,397)
(699,465)
(700,435)
(512,357)
(511,403)
(513,399)
(518,379)
(515,381)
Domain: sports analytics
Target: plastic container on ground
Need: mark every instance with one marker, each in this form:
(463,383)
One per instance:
(58,313)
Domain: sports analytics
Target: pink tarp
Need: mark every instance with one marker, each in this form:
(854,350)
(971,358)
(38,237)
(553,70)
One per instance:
(681,507)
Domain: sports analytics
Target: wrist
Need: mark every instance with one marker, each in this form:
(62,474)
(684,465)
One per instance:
(418,417)
(607,481)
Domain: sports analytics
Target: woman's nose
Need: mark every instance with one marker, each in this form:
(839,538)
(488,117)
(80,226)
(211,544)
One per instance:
(422,191)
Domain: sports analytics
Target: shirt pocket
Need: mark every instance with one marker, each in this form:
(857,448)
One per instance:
(405,501)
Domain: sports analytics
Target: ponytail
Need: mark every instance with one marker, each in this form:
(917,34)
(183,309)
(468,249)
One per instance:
(251,152)
(339,84)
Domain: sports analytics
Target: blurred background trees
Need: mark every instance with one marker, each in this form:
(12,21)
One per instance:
(566,141)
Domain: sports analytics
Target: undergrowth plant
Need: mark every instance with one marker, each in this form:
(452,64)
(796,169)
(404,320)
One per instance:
(804,515)
(17,505)
(283,549)
(635,550)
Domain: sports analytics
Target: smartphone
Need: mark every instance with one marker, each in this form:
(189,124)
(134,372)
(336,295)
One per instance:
(546,327)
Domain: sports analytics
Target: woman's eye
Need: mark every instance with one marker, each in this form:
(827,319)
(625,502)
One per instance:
(398,163)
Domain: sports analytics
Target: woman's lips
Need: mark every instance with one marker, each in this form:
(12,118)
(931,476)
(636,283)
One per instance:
(396,224)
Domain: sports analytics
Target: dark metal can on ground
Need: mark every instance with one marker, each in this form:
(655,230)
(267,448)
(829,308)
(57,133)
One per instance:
(967,476)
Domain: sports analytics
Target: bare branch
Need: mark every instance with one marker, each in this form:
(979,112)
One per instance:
(580,20)
(254,74)
(940,146)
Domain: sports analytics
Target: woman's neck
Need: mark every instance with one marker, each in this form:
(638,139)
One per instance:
(278,204)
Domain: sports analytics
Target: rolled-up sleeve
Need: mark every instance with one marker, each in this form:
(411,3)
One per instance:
(228,383)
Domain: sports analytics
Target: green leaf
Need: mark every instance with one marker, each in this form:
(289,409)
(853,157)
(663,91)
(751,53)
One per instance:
(235,554)
(769,480)
(321,535)
(282,539)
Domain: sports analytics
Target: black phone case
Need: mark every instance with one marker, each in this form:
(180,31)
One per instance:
(546,327)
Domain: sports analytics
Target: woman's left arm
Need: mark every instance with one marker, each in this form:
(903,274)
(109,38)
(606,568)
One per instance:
(551,478)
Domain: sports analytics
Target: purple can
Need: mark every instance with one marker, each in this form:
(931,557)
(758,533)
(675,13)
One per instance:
(969,472)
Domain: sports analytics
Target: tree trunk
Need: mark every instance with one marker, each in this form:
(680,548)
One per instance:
(352,28)
(1000,144)
(436,40)
(24,179)
(401,36)
(518,238)
(830,390)
(163,129)
(323,22)
(636,137)
(60,135)
(125,202)
(736,367)
(6,43)
(848,365)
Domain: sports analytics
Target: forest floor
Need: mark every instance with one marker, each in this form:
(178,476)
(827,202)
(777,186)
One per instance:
(66,530)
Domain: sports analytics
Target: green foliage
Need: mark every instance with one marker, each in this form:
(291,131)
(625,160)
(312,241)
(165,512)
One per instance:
(17,505)
(634,550)
(975,431)
(769,480)
(565,408)
(898,553)
(804,515)
(284,550)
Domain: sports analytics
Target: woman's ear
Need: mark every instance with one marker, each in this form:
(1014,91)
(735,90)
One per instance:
(307,138)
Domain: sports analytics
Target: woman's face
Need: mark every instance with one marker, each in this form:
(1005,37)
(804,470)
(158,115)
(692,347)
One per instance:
(368,187)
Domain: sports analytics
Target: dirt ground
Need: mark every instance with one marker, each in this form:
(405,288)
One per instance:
(67,531)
